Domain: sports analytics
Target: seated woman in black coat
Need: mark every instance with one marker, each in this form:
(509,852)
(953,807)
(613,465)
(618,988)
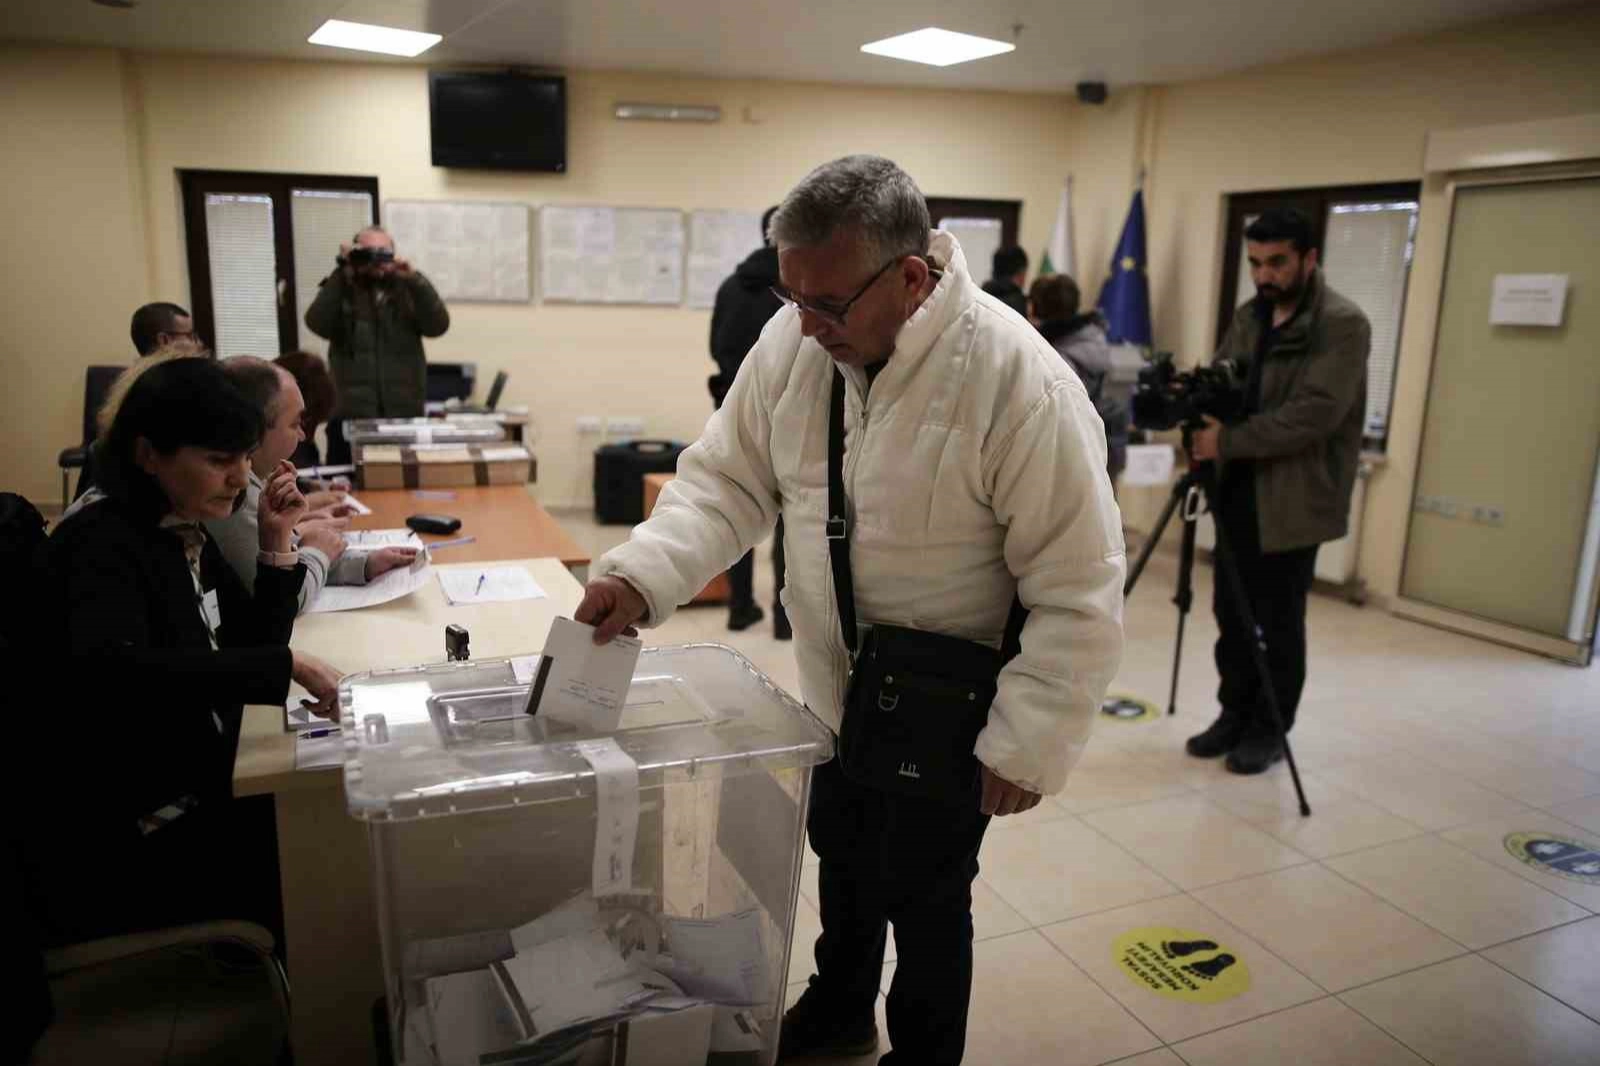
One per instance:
(159,646)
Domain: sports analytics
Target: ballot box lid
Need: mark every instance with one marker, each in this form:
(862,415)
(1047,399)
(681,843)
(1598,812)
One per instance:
(453,738)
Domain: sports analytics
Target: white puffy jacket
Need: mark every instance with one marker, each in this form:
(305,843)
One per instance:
(975,468)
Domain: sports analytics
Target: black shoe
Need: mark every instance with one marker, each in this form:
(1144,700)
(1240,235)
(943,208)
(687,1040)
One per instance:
(1222,736)
(780,624)
(1255,754)
(810,1032)
(741,618)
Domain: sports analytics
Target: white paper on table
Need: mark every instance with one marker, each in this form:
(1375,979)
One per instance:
(500,454)
(616,829)
(587,685)
(383,538)
(355,505)
(718,959)
(402,581)
(312,753)
(488,584)
(1149,465)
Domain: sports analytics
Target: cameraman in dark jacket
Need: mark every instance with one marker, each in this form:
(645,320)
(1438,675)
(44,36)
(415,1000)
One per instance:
(745,301)
(1285,475)
(374,311)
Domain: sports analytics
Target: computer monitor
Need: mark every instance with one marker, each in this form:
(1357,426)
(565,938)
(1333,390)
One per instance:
(450,381)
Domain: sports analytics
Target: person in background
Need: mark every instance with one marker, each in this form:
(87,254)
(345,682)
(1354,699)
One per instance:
(321,546)
(163,326)
(1285,474)
(321,397)
(745,302)
(158,646)
(1010,273)
(112,402)
(374,310)
(1080,337)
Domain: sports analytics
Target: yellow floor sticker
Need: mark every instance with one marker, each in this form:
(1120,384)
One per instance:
(1181,964)
(1121,707)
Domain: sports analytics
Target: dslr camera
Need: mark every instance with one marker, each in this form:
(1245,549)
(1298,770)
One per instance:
(1166,398)
(368,257)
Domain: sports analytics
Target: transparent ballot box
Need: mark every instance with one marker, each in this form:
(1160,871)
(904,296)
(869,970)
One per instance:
(547,894)
(458,429)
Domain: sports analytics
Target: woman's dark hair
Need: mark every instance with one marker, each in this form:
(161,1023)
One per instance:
(1053,297)
(183,403)
(316,386)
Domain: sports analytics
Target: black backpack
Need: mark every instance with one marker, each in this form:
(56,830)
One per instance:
(21,534)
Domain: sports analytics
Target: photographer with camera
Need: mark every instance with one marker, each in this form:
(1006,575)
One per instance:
(1286,470)
(374,311)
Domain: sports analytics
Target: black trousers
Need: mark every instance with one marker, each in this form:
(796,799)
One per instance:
(1276,585)
(742,574)
(889,858)
(338,447)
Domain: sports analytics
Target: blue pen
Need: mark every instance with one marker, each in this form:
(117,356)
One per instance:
(313,734)
(479,589)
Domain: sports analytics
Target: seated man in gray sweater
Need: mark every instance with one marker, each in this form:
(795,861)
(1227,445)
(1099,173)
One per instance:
(321,546)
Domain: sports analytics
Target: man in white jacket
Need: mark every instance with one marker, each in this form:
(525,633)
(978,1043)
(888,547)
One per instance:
(975,471)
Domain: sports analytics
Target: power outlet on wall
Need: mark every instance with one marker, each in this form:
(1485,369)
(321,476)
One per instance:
(625,426)
(590,425)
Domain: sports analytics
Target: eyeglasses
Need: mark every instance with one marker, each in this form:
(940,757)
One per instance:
(833,315)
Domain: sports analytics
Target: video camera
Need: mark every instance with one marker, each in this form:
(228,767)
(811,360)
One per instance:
(368,257)
(1166,397)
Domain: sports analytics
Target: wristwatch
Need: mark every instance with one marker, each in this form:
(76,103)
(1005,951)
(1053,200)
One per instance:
(282,560)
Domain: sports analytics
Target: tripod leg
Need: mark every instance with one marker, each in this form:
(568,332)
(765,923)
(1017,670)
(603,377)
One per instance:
(1179,491)
(1184,599)
(1230,573)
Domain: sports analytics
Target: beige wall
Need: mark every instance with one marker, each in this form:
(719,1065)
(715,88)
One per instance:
(1354,118)
(74,264)
(111,132)
(339,118)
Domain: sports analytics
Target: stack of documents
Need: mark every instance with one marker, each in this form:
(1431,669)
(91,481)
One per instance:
(567,981)
(391,586)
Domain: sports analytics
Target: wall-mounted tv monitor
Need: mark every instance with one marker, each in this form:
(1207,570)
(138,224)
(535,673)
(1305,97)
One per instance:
(498,120)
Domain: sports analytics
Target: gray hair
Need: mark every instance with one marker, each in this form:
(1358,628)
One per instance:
(864,193)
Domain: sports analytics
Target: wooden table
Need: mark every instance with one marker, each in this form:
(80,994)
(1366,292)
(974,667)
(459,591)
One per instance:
(506,522)
(329,905)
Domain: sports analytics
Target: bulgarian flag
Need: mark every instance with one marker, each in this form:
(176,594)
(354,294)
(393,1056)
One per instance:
(1057,257)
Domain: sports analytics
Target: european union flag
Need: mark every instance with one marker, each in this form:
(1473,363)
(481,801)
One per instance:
(1125,297)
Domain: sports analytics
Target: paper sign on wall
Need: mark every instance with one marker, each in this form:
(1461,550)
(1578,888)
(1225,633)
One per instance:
(1528,299)
(1149,465)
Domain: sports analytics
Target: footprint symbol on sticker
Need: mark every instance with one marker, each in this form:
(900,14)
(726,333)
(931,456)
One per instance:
(1177,949)
(1210,969)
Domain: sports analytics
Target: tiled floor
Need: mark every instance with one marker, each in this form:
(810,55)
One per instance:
(1393,926)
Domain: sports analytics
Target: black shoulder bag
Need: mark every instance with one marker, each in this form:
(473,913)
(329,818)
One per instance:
(916,701)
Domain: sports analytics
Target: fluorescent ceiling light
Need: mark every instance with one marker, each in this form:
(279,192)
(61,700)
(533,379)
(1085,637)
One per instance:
(336,33)
(937,48)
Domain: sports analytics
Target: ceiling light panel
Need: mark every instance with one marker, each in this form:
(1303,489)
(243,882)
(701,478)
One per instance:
(937,48)
(364,37)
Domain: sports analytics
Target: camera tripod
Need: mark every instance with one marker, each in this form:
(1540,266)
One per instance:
(1196,493)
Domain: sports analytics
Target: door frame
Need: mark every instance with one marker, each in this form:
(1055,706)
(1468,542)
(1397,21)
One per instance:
(194,185)
(1580,652)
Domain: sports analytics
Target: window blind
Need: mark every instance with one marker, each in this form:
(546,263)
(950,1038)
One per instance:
(1366,256)
(243,259)
(321,220)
